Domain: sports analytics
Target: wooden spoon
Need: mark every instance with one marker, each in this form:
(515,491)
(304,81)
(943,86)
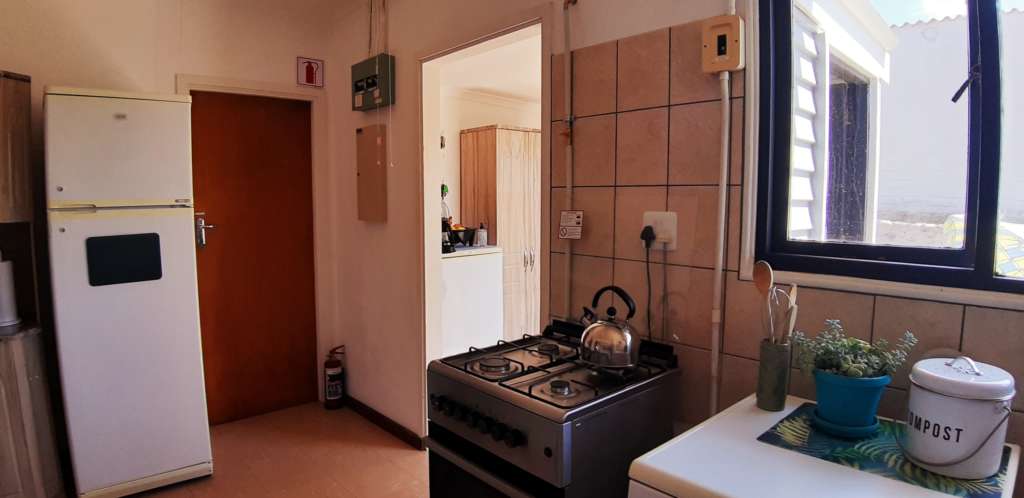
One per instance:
(764,280)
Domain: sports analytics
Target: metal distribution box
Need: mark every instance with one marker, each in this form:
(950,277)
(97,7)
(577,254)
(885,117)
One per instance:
(373,83)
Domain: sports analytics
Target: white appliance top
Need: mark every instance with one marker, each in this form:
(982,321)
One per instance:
(115,94)
(722,457)
(108,149)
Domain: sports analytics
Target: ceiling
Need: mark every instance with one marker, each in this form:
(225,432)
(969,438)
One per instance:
(508,66)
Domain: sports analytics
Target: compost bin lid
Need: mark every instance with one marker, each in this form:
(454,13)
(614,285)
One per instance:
(963,377)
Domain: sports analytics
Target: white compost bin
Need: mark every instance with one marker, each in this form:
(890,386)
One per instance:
(957,416)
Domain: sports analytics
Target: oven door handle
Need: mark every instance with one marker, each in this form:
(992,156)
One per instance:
(474,470)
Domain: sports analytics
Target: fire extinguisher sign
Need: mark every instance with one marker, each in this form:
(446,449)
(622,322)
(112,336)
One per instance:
(309,72)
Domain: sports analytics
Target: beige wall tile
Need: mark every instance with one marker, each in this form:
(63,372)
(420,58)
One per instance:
(643,70)
(738,80)
(855,311)
(630,204)
(696,209)
(738,380)
(695,134)
(557,86)
(732,255)
(594,79)
(936,325)
(642,152)
(694,375)
(631,276)
(1015,432)
(737,134)
(598,205)
(801,385)
(689,83)
(558,142)
(689,306)
(588,275)
(742,327)
(997,337)
(893,404)
(558,196)
(594,151)
(556,296)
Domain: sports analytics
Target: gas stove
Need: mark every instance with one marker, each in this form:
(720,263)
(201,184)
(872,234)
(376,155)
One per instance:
(528,418)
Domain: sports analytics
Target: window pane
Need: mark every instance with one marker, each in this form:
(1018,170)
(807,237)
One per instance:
(879,150)
(1010,239)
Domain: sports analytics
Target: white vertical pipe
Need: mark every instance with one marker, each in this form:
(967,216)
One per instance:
(569,127)
(723,204)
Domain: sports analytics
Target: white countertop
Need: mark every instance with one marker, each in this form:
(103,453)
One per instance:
(722,457)
(461,251)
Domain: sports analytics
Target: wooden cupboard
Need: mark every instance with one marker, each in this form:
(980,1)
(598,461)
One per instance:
(15,167)
(500,187)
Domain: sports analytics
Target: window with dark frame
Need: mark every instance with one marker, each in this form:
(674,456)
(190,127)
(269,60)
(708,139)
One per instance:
(868,167)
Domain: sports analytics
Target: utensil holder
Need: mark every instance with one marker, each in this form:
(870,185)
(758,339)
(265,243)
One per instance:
(773,376)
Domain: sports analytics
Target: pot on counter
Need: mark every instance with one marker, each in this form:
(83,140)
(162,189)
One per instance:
(957,416)
(610,343)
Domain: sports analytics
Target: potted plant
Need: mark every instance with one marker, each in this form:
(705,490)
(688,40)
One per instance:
(849,376)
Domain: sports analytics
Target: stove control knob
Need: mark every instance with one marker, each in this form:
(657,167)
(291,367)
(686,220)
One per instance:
(475,419)
(462,412)
(514,438)
(436,401)
(486,424)
(449,407)
(499,431)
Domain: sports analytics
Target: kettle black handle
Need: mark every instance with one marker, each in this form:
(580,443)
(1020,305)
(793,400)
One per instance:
(619,292)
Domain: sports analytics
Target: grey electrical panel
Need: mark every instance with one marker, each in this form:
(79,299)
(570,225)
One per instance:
(373,83)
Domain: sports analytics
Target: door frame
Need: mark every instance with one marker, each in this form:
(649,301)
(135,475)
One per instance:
(321,177)
(543,15)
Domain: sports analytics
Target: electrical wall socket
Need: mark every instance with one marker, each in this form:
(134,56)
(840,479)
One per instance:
(665,229)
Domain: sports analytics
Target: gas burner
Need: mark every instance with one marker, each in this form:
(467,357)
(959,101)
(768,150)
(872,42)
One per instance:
(560,387)
(548,348)
(495,365)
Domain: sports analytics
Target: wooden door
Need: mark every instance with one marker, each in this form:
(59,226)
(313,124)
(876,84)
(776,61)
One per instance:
(252,173)
(478,182)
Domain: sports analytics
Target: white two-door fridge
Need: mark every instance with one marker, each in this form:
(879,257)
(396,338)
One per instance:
(123,272)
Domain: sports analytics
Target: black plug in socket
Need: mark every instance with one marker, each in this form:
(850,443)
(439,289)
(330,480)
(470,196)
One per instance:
(647,235)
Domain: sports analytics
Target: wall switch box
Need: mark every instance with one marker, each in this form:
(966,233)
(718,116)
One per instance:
(665,229)
(373,83)
(722,40)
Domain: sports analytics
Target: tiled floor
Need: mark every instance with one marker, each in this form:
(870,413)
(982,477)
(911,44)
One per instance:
(308,451)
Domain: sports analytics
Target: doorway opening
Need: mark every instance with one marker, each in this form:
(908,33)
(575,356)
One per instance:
(252,170)
(482,121)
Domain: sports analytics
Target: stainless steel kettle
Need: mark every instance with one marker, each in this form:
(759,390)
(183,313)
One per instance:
(610,343)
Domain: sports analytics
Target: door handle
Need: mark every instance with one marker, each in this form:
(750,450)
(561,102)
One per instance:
(531,260)
(201,228)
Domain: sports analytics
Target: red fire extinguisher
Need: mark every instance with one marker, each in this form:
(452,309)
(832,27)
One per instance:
(334,378)
(310,73)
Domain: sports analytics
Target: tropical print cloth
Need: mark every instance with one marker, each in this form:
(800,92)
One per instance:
(1009,244)
(880,455)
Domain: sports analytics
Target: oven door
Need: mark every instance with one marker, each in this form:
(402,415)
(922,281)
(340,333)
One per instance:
(459,469)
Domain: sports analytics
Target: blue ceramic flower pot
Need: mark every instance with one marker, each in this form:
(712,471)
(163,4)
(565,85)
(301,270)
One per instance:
(849,401)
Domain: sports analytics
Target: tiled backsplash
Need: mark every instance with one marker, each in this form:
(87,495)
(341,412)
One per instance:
(647,139)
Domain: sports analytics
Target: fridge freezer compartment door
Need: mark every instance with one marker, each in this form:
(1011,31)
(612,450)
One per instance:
(130,352)
(117,152)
